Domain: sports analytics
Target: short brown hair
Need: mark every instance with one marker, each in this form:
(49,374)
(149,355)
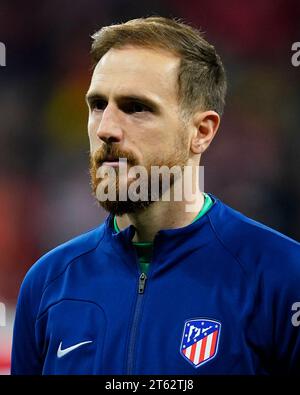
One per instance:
(201,75)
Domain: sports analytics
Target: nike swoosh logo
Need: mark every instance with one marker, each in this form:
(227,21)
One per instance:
(61,353)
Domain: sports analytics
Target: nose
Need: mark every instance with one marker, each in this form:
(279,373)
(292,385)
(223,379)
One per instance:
(109,129)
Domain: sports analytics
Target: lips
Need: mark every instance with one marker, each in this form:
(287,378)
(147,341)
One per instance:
(110,161)
(110,158)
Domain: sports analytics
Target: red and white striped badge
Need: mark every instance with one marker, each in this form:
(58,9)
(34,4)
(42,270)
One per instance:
(200,340)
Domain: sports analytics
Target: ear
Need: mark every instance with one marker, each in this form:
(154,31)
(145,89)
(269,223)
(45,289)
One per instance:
(205,125)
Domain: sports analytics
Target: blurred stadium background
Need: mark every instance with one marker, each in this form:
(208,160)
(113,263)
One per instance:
(45,199)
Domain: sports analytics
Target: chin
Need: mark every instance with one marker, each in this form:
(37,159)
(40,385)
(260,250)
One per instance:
(124,207)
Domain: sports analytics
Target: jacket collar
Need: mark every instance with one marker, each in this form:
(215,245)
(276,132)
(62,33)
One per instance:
(187,238)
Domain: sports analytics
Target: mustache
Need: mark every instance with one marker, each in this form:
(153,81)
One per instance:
(109,152)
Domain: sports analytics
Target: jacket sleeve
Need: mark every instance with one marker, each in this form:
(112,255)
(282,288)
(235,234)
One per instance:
(286,326)
(26,358)
(287,339)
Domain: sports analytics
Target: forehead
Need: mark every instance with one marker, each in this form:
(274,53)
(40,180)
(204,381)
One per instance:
(137,70)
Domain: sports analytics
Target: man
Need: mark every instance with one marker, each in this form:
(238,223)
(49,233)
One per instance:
(159,288)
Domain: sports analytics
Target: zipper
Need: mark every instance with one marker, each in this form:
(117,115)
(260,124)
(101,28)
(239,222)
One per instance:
(135,323)
(142,283)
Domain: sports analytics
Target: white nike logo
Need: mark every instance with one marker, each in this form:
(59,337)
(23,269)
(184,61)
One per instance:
(61,353)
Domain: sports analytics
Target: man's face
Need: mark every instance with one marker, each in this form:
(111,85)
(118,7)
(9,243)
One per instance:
(134,114)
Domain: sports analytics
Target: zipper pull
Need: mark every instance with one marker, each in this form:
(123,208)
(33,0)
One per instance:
(142,283)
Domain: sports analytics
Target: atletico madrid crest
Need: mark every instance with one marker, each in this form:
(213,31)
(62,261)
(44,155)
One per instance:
(200,340)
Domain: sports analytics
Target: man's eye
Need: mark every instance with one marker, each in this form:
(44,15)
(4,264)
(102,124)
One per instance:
(133,107)
(98,105)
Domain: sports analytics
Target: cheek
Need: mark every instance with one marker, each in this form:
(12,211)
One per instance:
(91,125)
(92,131)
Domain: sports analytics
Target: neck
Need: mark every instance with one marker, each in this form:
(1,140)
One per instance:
(161,215)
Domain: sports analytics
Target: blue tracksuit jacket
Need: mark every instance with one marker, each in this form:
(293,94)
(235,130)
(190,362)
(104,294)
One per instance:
(217,300)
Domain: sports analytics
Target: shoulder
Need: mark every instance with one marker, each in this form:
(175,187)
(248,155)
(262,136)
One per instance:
(256,246)
(55,262)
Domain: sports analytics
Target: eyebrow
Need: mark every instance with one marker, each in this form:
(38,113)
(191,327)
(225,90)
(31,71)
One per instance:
(92,96)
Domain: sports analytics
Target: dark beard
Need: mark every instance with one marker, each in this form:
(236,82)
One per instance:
(119,207)
(128,206)
(115,207)
(124,207)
